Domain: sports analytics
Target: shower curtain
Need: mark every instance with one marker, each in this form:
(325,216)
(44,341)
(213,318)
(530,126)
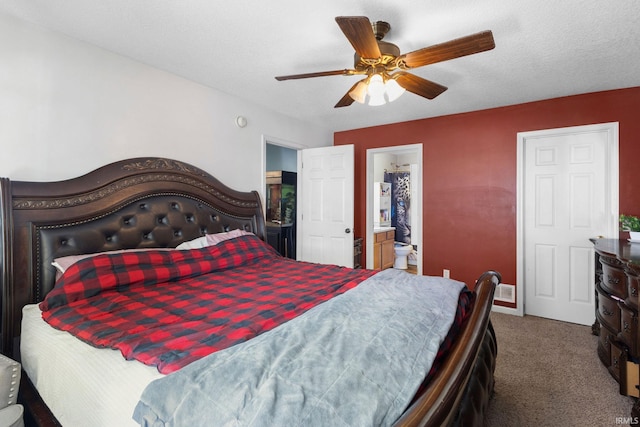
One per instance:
(400,204)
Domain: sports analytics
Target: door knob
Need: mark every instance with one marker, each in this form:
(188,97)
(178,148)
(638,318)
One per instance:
(347,230)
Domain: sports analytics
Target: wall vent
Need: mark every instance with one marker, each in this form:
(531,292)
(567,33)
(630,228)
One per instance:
(505,293)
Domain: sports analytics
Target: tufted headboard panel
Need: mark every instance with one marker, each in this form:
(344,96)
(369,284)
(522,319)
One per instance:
(156,221)
(136,203)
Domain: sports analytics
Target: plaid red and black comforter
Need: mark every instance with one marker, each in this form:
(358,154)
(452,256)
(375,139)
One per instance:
(169,308)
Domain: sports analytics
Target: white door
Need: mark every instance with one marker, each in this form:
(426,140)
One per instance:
(567,185)
(327,205)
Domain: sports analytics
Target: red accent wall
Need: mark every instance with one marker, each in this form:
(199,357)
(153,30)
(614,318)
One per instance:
(469,174)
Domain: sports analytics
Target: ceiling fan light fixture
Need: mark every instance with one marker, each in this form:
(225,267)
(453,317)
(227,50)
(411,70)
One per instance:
(376,90)
(393,90)
(359,93)
(376,100)
(376,86)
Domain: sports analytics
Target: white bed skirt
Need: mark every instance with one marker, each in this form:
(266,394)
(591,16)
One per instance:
(82,385)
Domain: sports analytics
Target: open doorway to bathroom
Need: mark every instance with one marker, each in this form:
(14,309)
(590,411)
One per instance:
(401,166)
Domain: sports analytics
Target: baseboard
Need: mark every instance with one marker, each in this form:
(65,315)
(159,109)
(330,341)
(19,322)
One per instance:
(505,310)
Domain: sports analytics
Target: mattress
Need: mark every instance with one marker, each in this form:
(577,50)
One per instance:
(92,386)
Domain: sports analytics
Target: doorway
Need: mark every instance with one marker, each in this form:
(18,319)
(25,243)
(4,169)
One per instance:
(281,156)
(406,161)
(290,149)
(567,193)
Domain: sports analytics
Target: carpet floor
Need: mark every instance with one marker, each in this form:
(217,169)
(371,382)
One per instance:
(548,374)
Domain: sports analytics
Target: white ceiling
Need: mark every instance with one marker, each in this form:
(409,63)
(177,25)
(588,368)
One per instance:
(544,48)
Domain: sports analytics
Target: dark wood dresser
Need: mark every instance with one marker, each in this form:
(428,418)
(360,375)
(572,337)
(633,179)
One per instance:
(617,298)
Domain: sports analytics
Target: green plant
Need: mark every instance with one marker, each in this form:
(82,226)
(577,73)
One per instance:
(629,223)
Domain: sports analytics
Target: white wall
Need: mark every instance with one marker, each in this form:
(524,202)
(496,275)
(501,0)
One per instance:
(281,158)
(381,162)
(67,107)
(404,158)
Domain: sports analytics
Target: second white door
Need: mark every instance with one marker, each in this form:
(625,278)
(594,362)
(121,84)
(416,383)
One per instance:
(567,185)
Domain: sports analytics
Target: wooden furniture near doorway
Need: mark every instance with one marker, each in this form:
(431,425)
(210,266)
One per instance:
(357,252)
(383,249)
(617,302)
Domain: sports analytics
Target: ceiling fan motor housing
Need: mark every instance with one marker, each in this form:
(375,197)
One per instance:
(388,52)
(380,29)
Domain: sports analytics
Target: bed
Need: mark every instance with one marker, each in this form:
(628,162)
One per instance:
(148,203)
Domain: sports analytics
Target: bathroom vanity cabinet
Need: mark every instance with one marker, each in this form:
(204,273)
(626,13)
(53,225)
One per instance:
(383,249)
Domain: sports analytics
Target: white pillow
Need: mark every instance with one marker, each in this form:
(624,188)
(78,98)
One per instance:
(198,243)
(212,239)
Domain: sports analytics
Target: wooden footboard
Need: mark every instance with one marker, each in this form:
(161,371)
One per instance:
(460,391)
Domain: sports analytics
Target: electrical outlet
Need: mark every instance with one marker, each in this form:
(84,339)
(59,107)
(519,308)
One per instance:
(445,273)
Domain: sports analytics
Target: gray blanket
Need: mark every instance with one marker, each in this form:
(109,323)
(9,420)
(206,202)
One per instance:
(355,360)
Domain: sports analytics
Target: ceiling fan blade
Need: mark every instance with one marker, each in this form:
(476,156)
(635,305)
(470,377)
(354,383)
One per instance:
(457,48)
(359,32)
(344,72)
(418,85)
(346,100)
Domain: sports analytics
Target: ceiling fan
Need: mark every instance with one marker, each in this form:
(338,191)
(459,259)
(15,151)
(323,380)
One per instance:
(384,66)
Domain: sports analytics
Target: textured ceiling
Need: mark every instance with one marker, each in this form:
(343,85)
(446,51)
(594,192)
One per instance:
(544,48)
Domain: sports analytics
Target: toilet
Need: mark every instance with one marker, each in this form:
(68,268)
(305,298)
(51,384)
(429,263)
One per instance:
(402,251)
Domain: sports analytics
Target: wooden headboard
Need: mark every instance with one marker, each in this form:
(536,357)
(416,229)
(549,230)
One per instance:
(135,203)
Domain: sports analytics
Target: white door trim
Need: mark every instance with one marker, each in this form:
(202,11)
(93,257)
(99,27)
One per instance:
(613,178)
(399,149)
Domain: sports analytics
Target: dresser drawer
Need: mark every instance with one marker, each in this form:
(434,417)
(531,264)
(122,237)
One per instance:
(614,281)
(608,310)
(616,359)
(629,378)
(604,344)
(629,329)
(633,284)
